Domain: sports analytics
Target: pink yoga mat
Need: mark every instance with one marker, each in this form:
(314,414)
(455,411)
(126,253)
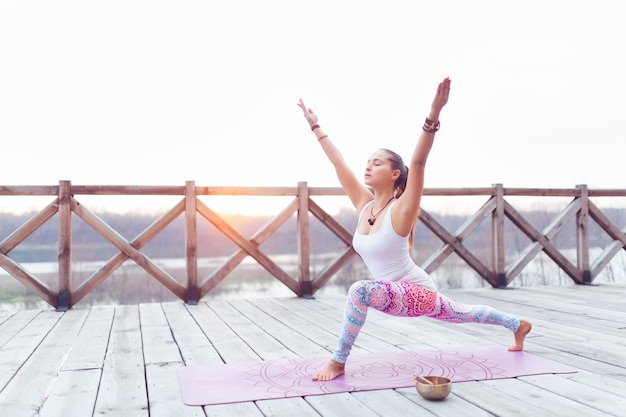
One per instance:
(239,382)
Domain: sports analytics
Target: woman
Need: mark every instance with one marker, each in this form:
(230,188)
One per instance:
(384,236)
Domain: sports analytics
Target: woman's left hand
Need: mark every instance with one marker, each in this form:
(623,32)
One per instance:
(309,115)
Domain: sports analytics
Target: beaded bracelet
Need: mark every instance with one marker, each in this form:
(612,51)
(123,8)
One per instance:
(431,126)
(315,127)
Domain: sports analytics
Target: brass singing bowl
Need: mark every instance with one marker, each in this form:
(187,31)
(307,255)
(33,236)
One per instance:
(439,389)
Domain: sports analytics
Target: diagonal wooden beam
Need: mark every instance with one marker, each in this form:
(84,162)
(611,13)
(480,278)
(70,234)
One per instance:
(605,223)
(28,228)
(333,267)
(116,261)
(453,244)
(29,280)
(542,240)
(619,240)
(258,238)
(330,223)
(534,248)
(251,248)
(123,245)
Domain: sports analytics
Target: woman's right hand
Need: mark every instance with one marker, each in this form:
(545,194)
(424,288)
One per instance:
(310,117)
(441,97)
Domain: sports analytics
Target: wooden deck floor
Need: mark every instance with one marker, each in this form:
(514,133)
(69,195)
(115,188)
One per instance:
(122,360)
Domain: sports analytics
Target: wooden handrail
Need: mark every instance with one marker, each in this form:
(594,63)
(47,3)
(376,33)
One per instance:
(66,204)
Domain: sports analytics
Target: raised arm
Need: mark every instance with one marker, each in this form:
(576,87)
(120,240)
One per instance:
(358,193)
(409,202)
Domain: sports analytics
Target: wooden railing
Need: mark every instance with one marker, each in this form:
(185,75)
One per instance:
(65,203)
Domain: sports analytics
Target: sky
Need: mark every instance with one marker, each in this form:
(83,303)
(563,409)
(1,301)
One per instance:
(160,92)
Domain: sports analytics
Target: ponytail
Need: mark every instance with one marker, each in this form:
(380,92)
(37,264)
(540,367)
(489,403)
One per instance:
(400,185)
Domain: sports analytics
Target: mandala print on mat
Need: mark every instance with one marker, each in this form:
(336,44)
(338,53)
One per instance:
(293,377)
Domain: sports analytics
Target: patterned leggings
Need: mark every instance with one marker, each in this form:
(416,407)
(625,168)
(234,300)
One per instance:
(407,299)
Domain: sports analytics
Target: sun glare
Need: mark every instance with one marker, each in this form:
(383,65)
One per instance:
(135,204)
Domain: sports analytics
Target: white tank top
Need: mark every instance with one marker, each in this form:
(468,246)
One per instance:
(386,254)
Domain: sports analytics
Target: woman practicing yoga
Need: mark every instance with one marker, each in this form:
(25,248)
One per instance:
(388,204)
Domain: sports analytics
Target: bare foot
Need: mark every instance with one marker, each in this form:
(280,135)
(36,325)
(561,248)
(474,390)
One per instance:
(329,371)
(520,335)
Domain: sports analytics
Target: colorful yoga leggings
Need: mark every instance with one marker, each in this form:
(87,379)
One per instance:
(408,299)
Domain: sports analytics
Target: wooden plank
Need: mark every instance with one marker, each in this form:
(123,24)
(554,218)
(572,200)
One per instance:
(195,348)
(329,322)
(453,405)
(580,335)
(4,316)
(582,364)
(162,359)
(274,322)
(164,392)
(552,404)
(559,310)
(541,317)
(263,344)
(294,313)
(391,403)
(48,383)
(582,295)
(286,407)
(400,332)
(29,190)
(123,386)
(598,395)
(331,318)
(89,348)
(26,335)
(28,390)
(501,403)
(72,393)
(339,405)
(247,409)
(580,311)
(13,322)
(415,334)
(158,344)
(229,346)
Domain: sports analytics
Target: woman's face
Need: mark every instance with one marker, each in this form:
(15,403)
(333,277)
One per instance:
(378,171)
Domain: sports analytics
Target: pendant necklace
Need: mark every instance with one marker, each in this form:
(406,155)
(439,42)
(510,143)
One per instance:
(373,216)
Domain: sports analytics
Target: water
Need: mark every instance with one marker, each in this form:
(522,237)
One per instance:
(130,284)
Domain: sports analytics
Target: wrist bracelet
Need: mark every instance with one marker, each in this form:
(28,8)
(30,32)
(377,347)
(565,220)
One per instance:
(431,126)
(322,137)
(315,127)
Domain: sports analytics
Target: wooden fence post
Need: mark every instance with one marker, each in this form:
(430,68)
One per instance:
(65,246)
(304,245)
(497,221)
(582,234)
(191,242)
